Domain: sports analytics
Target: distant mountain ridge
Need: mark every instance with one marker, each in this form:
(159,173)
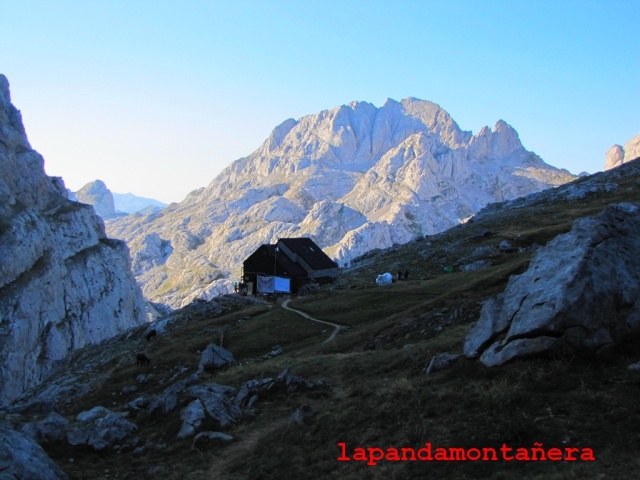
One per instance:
(130,203)
(353,178)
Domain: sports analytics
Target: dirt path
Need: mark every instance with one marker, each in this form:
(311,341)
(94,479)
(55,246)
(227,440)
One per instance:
(336,327)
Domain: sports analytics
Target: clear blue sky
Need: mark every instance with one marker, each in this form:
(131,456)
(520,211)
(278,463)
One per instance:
(157,97)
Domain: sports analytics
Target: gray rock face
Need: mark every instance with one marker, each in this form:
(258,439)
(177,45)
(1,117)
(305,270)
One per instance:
(617,155)
(22,457)
(353,179)
(192,416)
(169,398)
(581,291)
(614,157)
(63,283)
(151,252)
(213,400)
(218,404)
(99,196)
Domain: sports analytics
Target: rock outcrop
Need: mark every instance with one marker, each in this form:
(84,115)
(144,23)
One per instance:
(581,292)
(617,155)
(22,457)
(63,283)
(100,428)
(353,179)
(99,196)
(214,357)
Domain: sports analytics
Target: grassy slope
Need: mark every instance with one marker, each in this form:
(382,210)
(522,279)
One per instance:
(379,394)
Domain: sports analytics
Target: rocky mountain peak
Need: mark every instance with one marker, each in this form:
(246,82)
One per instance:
(617,154)
(500,142)
(279,133)
(507,139)
(10,116)
(352,178)
(424,110)
(97,194)
(614,157)
(4,88)
(23,179)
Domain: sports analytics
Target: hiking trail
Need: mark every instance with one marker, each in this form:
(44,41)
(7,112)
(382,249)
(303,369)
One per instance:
(336,327)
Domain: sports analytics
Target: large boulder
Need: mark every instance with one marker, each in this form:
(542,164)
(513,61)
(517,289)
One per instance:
(52,428)
(215,357)
(581,292)
(192,416)
(166,401)
(217,403)
(100,428)
(22,457)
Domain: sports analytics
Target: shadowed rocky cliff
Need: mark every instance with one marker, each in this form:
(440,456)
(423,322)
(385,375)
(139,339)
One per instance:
(63,283)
